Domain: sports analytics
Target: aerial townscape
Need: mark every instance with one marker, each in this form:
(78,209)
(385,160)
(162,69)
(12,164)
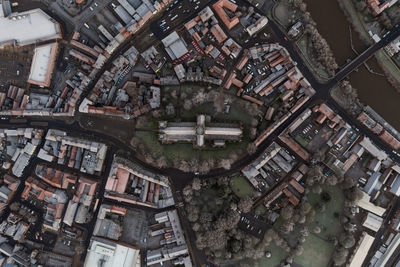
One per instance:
(197,133)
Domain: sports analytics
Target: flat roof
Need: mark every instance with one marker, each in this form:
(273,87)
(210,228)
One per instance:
(27,28)
(43,64)
(106,253)
(362,250)
(365,204)
(373,222)
(175,44)
(222,131)
(179,130)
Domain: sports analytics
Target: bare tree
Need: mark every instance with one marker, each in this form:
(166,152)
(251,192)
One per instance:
(199,98)
(14,206)
(339,256)
(205,217)
(317,230)
(193,216)
(187,191)
(347,240)
(170,109)
(317,189)
(314,175)
(187,104)
(251,148)
(204,166)
(254,122)
(353,194)
(253,133)
(305,208)
(245,204)
(287,227)
(287,212)
(226,164)
(298,250)
(196,184)
(304,231)
(161,162)
(218,101)
(361,5)
(332,180)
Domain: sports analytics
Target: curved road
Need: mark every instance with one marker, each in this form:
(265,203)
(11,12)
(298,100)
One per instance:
(178,178)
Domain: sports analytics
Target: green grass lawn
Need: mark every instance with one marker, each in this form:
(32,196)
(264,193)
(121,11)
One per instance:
(389,64)
(302,45)
(327,221)
(317,252)
(317,248)
(185,150)
(241,187)
(261,209)
(299,139)
(278,223)
(277,254)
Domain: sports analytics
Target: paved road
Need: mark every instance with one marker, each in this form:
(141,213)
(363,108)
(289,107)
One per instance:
(385,226)
(180,179)
(364,56)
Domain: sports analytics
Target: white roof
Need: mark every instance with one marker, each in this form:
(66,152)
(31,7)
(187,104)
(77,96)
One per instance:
(174,130)
(170,39)
(373,222)
(28,27)
(42,62)
(395,187)
(110,254)
(178,48)
(175,44)
(223,131)
(389,252)
(365,204)
(372,149)
(362,250)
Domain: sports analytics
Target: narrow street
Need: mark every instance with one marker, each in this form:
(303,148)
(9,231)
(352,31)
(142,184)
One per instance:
(179,179)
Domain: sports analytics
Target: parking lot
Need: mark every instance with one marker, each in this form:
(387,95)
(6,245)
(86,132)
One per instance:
(176,15)
(253,224)
(15,64)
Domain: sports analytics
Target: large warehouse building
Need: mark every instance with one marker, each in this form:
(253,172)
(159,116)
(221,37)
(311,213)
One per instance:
(108,253)
(28,28)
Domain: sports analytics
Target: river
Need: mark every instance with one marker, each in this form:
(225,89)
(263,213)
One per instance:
(373,90)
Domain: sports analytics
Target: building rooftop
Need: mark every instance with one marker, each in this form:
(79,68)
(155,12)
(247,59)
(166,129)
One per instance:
(220,7)
(27,28)
(198,132)
(106,253)
(373,222)
(174,45)
(362,250)
(43,64)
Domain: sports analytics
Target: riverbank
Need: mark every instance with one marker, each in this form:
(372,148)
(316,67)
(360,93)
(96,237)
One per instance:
(373,89)
(389,67)
(285,15)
